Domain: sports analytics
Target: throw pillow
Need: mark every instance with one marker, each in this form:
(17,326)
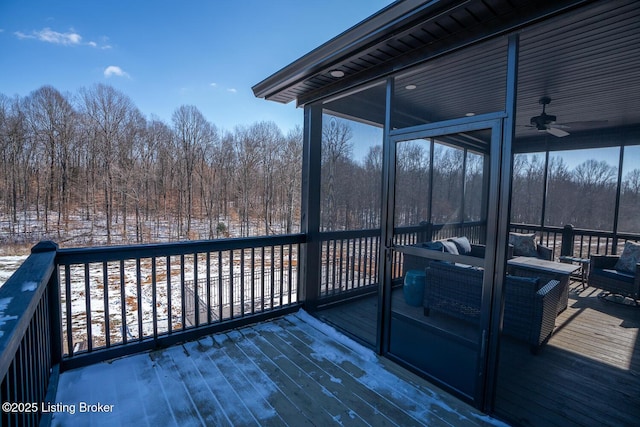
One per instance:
(463,245)
(450,247)
(523,244)
(629,258)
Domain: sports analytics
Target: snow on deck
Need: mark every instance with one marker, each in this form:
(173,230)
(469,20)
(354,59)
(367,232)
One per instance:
(291,371)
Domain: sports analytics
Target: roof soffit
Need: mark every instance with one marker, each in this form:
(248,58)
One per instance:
(414,35)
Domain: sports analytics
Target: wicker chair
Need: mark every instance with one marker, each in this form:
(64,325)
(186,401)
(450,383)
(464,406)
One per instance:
(529,313)
(603,275)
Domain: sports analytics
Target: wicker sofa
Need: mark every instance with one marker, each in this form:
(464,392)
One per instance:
(529,313)
(455,246)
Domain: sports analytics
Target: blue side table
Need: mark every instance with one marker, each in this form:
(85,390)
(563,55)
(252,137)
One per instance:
(413,289)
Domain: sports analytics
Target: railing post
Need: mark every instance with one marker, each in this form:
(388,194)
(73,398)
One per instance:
(53,290)
(568,239)
(426,232)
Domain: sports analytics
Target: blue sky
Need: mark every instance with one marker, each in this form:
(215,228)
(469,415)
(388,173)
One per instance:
(164,54)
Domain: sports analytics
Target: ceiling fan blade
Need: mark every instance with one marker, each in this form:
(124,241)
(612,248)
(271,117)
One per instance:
(557,132)
(586,124)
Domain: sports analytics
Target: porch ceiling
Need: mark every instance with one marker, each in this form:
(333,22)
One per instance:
(587,63)
(585,60)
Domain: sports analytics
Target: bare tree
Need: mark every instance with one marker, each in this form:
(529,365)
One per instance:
(412,182)
(629,218)
(131,177)
(247,154)
(595,194)
(51,120)
(108,112)
(527,188)
(372,202)
(270,142)
(16,159)
(631,183)
(447,183)
(336,146)
(192,132)
(158,166)
(291,176)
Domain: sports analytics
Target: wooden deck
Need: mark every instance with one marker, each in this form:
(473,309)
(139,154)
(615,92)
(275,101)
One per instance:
(587,375)
(293,371)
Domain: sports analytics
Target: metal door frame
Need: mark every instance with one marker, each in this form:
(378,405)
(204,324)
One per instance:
(493,276)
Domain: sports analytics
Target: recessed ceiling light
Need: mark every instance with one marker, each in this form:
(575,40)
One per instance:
(470,114)
(410,87)
(336,73)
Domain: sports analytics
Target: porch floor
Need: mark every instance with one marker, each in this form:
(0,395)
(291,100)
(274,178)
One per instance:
(587,375)
(293,370)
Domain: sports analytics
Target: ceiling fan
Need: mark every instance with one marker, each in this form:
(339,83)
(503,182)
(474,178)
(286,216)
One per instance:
(547,122)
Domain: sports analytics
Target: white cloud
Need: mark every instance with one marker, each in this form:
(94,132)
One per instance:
(70,38)
(213,84)
(232,90)
(113,70)
(49,36)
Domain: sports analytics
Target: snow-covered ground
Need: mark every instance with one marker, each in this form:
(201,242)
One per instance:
(79,231)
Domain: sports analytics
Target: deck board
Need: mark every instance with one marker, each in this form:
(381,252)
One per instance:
(292,371)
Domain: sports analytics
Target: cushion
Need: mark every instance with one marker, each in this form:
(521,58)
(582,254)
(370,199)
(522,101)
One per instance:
(523,244)
(462,244)
(629,258)
(613,274)
(434,246)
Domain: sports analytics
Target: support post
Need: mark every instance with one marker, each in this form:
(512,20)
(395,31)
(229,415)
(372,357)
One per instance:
(311,266)
(616,214)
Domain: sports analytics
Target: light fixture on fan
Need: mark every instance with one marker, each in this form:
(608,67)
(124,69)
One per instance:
(547,122)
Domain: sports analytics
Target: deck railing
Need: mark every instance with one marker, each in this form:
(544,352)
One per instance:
(349,261)
(29,338)
(121,300)
(578,242)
